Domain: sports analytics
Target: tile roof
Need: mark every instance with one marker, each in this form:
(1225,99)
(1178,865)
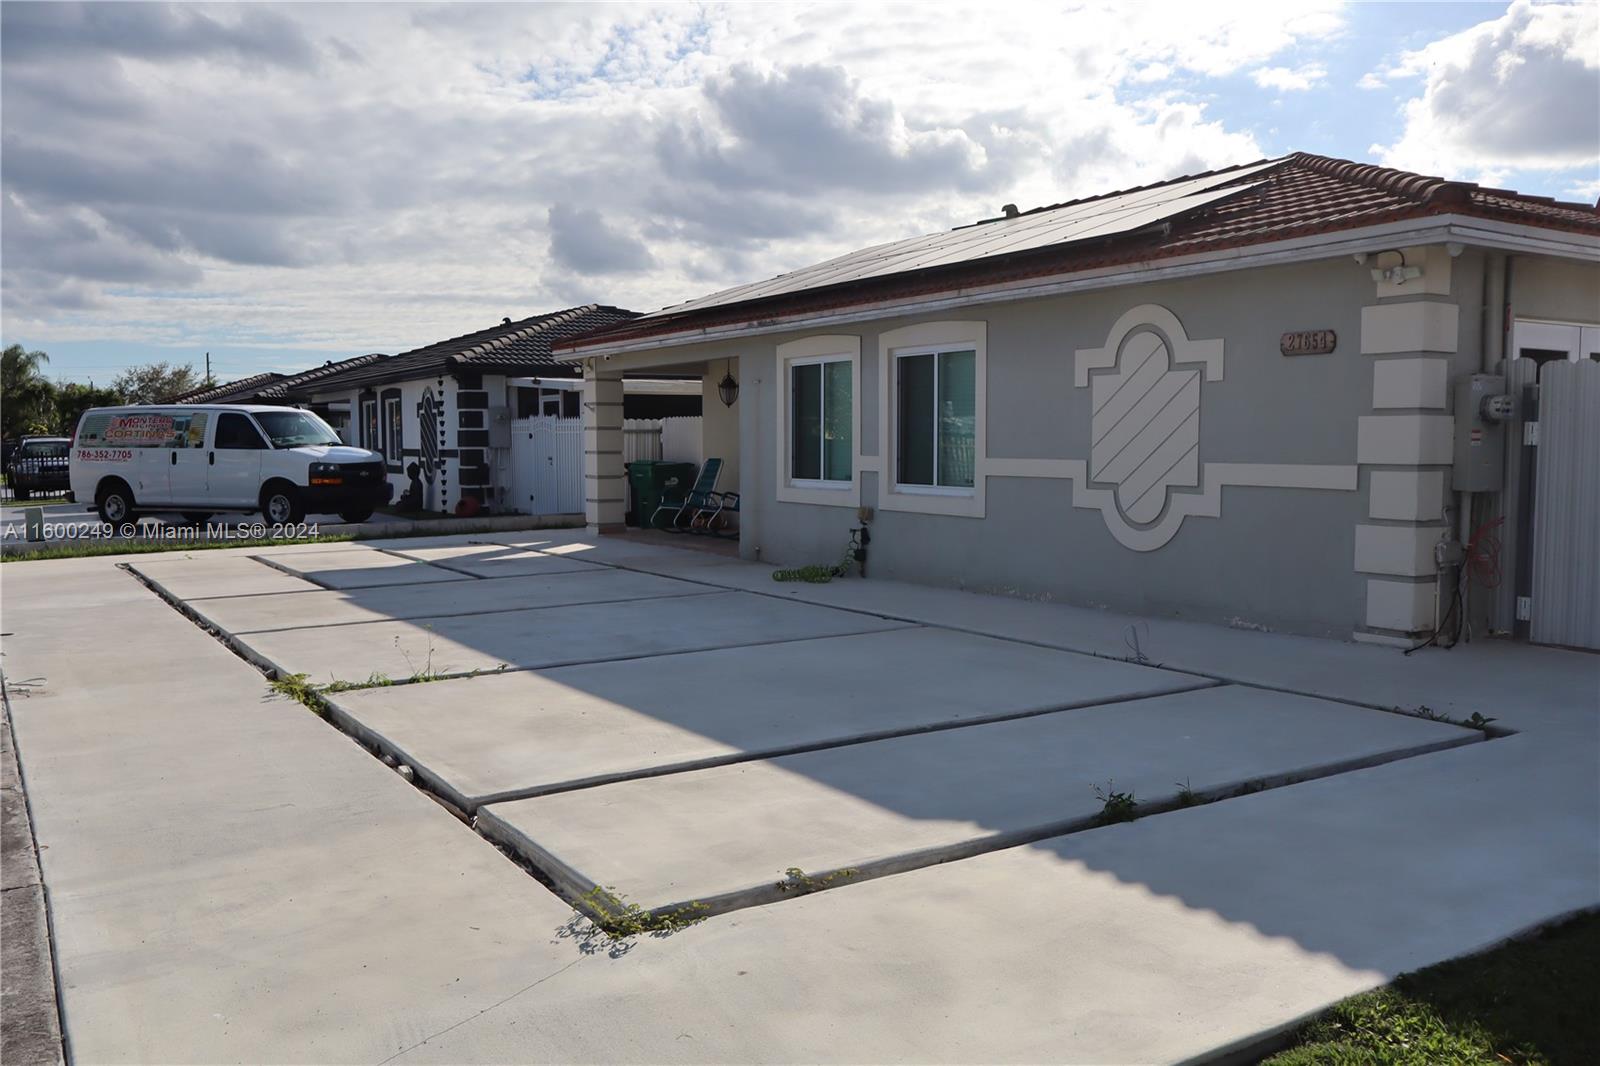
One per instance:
(239,391)
(1298,195)
(269,387)
(521,347)
(280,389)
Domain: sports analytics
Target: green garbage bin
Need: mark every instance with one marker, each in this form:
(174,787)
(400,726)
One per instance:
(663,481)
(639,489)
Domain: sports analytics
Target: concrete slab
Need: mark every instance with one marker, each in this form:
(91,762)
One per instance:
(30,1030)
(234,881)
(197,575)
(330,607)
(1490,677)
(482,739)
(360,569)
(230,878)
(531,639)
(892,805)
(616,551)
(493,560)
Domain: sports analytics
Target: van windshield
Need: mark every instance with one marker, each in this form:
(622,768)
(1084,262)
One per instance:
(295,429)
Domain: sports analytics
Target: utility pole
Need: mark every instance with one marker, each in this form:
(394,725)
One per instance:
(208,368)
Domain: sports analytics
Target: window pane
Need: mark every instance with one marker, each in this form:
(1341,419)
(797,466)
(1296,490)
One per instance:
(957,417)
(837,430)
(236,432)
(805,416)
(915,420)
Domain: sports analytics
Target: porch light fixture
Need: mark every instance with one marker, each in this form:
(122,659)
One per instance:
(728,388)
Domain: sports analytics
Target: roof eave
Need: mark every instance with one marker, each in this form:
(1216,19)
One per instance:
(1427,229)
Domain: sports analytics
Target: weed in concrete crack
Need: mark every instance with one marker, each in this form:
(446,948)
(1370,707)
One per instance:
(1422,710)
(1473,721)
(1116,806)
(1186,796)
(606,922)
(797,880)
(426,672)
(296,687)
(374,680)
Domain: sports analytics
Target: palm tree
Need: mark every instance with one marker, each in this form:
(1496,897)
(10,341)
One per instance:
(27,398)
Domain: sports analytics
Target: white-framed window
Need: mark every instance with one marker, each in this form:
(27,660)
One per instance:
(395,429)
(819,420)
(369,424)
(931,397)
(935,419)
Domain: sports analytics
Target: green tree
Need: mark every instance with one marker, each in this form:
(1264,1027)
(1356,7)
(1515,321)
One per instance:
(154,382)
(27,397)
(72,399)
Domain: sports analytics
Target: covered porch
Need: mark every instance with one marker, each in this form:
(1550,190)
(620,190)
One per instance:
(605,449)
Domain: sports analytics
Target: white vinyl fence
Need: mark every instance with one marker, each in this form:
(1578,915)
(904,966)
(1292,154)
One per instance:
(547,457)
(674,439)
(547,465)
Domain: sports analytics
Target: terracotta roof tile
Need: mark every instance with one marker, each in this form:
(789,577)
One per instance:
(1302,195)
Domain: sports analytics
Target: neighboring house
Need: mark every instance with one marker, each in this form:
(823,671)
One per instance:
(448,405)
(1230,396)
(275,388)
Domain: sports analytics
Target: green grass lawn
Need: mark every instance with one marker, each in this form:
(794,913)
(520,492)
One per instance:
(1535,1000)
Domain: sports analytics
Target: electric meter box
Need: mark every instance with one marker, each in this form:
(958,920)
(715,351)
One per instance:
(1480,433)
(499,427)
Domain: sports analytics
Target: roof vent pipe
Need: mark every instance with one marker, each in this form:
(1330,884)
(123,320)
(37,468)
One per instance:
(1010,211)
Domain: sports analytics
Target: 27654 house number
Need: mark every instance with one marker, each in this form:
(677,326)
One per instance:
(1308,342)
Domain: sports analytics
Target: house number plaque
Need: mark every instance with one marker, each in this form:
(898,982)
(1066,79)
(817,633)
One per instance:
(1308,342)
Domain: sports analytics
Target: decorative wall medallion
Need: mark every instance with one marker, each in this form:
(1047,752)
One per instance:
(428,423)
(1144,454)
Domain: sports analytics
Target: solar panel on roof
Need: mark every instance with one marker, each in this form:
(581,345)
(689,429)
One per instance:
(1106,216)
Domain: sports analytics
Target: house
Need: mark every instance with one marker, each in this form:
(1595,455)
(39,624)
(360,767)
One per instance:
(448,406)
(1286,394)
(275,388)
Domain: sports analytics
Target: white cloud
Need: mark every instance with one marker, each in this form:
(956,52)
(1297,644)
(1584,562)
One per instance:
(373,177)
(1514,93)
(1290,79)
(1584,191)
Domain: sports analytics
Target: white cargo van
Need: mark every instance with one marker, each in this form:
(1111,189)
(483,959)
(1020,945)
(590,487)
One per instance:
(203,459)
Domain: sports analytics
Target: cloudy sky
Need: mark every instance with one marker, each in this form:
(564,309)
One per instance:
(280,185)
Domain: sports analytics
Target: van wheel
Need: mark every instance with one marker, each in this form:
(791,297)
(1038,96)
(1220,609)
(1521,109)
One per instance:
(357,514)
(114,501)
(280,504)
(195,518)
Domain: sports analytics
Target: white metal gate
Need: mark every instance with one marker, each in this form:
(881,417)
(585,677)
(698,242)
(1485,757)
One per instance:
(547,465)
(1565,606)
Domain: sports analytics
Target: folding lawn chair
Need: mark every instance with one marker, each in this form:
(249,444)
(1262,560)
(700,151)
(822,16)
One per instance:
(683,510)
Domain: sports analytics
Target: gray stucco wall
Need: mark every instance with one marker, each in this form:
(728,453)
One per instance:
(1282,558)
(1561,290)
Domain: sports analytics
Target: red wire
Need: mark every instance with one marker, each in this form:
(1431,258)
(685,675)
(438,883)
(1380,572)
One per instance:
(1483,554)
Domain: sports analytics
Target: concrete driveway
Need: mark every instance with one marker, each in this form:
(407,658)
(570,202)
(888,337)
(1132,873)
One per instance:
(886,797)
